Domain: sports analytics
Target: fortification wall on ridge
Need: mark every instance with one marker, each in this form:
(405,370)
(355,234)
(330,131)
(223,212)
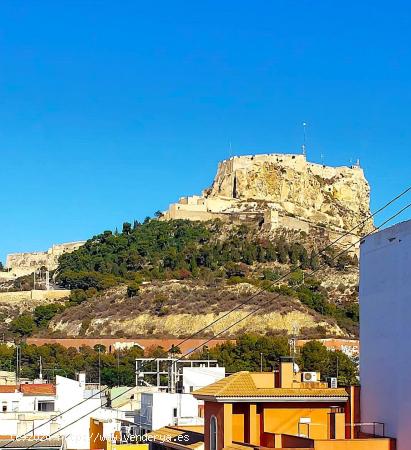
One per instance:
(20,264)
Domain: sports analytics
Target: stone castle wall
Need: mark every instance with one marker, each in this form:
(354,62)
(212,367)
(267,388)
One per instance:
(298,192)
(22,296)
(28,300)
(20,264)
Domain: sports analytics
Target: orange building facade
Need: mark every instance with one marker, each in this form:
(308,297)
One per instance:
(279,410)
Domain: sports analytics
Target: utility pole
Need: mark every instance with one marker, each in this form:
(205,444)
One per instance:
(18,364)
(338,368)
(41,369)
(118,367)
(99,367)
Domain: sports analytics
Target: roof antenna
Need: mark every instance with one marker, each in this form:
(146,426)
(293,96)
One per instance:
(304,146)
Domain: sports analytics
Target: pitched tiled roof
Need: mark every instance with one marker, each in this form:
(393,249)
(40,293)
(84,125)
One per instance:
(38,389)
(8,389)
(241,384)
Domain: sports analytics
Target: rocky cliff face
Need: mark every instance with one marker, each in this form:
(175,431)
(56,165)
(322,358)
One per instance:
(332,196)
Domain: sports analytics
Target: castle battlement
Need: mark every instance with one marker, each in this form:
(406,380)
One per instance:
(335,197)
(296,161)
(20,264)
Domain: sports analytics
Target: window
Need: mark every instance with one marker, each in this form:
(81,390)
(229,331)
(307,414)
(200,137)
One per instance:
(174,412)
(45,406)
(4,406)
(213,433)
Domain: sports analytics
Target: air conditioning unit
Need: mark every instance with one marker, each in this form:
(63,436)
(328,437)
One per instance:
(309,376)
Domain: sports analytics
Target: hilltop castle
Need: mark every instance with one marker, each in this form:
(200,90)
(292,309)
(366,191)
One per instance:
(282,190)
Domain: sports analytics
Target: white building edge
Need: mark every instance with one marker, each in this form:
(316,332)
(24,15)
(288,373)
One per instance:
(385,310)
(25,416)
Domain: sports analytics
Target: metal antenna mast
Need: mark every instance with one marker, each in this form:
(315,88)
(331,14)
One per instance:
(99,367)
(304,146)
(293,343)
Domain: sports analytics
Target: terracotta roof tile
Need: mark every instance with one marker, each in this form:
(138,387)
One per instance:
(38,389)
(8,389)
(241,384)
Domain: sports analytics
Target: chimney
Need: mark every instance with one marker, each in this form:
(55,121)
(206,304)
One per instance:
(286,372)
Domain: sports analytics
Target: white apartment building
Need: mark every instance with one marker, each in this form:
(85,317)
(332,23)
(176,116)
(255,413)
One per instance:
(25,407)
(385,333)
(34,410)
(159,409)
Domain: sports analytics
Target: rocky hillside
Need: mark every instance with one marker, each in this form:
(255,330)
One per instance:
(263,216)
(178,308)
(172,278)
(334,197)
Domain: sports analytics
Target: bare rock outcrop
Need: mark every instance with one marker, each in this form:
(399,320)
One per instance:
(284,190)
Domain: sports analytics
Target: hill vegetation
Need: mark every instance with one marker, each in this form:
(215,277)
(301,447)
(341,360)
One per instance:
(209,252)
(179,249)
(155,271)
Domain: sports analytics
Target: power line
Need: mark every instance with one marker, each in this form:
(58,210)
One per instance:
(270,300)
(52,419)
(370,216)
(225,329)
(247,300)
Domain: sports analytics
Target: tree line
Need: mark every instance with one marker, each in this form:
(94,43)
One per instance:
(118,368)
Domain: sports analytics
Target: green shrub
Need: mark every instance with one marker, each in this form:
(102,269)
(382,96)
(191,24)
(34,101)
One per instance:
(77,296)
(132,290)
(44,313)
(23,325)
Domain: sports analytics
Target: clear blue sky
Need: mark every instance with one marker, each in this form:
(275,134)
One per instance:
(111,110)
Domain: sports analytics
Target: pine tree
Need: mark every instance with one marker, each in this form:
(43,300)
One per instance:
(282,253)
(304,260)
(314,261)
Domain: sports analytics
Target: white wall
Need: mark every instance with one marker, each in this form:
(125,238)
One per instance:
(157,410)
(198,377)
(385,309)
(22,415)
(70,392)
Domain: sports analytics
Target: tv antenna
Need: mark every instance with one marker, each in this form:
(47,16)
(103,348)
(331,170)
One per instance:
(304,146)
(292,342)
